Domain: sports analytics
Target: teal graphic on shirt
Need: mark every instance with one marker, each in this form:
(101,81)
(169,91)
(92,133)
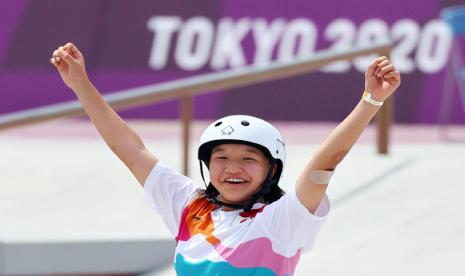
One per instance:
(184,267)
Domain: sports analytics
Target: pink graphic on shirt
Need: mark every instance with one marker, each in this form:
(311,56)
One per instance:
(258,253)
(183,233)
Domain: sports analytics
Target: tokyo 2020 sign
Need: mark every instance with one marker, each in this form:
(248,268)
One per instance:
(130,44)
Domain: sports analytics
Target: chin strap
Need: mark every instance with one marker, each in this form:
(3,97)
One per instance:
(212,195)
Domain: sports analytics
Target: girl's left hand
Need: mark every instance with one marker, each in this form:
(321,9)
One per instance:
(381,79)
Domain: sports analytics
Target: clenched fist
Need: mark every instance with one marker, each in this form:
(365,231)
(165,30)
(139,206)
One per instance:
(70,64)
(381,79)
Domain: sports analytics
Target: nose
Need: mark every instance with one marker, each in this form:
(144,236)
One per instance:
(232,167)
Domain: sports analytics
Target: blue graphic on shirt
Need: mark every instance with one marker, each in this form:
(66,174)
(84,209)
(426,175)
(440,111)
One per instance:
(184,267)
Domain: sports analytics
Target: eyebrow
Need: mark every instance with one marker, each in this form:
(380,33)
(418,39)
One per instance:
(250,150)
(217,149)
(253,151)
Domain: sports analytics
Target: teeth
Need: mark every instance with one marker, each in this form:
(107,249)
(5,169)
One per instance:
(236,180)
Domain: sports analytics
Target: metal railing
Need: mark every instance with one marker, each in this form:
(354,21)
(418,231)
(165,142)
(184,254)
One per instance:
(186,88)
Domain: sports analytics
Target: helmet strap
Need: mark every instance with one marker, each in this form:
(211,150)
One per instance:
(201,173)
(266,187)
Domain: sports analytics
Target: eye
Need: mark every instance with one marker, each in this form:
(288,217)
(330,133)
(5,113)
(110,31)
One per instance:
(220,157)
(249,159)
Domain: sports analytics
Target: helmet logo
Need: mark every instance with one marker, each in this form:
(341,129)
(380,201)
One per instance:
(279,146)
(227,130)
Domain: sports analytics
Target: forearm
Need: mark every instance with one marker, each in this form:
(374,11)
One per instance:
(332,151)
(343,137)
(381,80)
(121,139)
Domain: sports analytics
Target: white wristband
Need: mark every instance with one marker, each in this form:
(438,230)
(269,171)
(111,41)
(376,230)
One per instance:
(367,98)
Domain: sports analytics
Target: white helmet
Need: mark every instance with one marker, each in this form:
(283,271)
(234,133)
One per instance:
(244,129)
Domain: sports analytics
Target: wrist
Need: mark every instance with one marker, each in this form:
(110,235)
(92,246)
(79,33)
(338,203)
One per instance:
(367,97)
(81,85)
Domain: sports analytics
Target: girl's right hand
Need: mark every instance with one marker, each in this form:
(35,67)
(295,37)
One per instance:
(70,64)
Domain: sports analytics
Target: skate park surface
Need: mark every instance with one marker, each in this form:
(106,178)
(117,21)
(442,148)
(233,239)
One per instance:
(69,206)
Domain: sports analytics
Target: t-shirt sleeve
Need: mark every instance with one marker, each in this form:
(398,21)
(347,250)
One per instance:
(168,193)
(290,222)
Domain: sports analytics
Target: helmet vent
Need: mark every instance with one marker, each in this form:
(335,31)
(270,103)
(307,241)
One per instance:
(245,123)
(219,123)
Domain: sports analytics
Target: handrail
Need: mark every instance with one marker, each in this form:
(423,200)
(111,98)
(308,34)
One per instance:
(188,87)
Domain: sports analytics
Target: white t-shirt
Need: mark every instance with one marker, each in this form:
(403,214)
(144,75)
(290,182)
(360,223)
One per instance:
(267,240)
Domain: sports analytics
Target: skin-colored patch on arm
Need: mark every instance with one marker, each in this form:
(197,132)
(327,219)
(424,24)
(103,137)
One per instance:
(321,177)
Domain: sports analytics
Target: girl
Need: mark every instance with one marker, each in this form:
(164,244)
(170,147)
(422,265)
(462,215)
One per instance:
(242,223)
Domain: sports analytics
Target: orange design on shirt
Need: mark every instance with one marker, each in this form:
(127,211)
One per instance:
(199,219)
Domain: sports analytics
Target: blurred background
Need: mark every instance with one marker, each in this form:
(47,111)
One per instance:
(66,207)
(133,44)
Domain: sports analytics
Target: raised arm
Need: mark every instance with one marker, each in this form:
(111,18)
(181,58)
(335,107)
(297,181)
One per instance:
(381,80)
(121,139)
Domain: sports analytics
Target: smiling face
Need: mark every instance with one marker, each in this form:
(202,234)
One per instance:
(237,171)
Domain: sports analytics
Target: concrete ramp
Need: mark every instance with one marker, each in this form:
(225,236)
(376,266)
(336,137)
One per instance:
(84,257)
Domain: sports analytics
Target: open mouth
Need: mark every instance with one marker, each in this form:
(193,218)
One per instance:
(235,181)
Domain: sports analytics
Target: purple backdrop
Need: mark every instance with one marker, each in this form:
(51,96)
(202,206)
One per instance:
(129,44)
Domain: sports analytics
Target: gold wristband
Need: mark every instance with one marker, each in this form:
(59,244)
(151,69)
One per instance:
(367,98)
